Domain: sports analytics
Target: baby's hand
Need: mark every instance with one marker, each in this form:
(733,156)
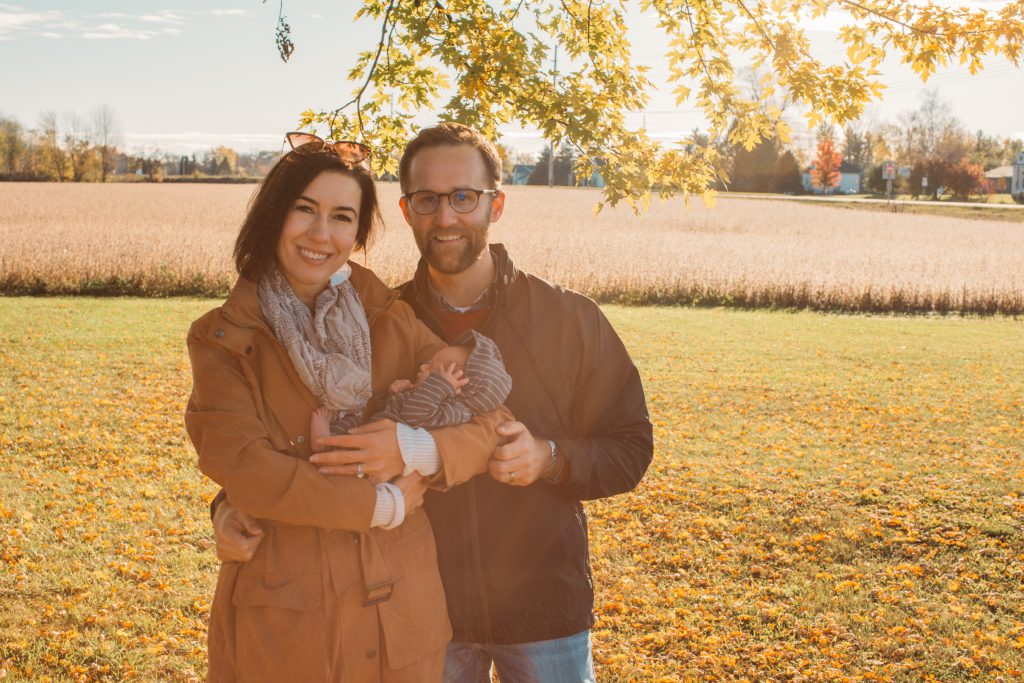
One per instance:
(319,427)
(398,386)
(453,376)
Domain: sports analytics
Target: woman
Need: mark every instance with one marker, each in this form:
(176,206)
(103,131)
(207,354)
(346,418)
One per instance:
(344,586)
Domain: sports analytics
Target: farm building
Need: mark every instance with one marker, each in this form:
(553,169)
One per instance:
(849,180)
(997,181)
(521,173)
(1017,181)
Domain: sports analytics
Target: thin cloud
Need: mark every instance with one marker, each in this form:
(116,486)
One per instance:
(229,12)
(116,31)
(18,22)
(162,18)
(14,19)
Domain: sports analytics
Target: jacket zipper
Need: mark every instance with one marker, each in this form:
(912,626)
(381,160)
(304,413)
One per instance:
(474,516)
(478,564)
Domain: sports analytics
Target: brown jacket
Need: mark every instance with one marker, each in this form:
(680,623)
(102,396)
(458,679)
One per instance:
(572,382)
(325,598)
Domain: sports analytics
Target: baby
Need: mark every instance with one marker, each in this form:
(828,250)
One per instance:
(457,383)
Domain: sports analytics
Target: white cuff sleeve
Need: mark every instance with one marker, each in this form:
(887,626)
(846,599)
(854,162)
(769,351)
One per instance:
(419,451)
(389,511)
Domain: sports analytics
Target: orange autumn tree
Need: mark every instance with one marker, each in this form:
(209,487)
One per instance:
(826,172)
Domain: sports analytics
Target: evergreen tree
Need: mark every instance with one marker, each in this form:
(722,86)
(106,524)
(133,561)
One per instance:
(787,178)
(754,169)
(857,145)
(563,171)
(873,180)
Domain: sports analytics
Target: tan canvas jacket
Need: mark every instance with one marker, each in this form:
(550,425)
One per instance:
(322,588)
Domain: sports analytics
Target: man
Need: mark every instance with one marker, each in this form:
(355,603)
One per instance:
(512,543)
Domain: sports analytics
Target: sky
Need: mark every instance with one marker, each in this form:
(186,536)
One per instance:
(186,75)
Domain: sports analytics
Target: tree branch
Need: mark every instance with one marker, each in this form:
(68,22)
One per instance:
(358,99)
(909,27)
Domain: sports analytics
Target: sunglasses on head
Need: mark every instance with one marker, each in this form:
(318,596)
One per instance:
(347,150)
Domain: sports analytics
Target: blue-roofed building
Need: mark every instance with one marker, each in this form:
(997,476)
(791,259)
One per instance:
(849,180)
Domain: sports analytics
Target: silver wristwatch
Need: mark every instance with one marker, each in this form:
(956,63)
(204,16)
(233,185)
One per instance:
(552,468)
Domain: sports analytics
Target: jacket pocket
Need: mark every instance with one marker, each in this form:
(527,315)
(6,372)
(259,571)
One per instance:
(417,604)
(279,628)
(299,592)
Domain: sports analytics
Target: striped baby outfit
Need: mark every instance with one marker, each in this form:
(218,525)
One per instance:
(435,404)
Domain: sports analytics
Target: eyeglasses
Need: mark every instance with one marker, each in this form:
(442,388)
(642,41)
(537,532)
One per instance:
(347,150)
(463,200)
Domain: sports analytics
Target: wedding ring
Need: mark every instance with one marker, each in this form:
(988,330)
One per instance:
(359,471)
(511,477)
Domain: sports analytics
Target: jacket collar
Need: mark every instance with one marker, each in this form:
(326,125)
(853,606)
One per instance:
(505,273)
(243,304)
(375,296)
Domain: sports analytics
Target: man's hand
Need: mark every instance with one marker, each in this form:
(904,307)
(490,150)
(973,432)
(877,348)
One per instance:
(412,487)
(374,445)
(521,461)
(238,534)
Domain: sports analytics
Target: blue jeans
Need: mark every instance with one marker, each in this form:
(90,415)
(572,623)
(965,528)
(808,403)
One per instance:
(562,660)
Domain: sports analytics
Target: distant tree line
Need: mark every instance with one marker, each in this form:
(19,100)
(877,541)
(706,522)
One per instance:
(933,144)
(74,148)
(929,141)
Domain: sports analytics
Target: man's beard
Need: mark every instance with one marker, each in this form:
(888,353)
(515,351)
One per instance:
(453,264)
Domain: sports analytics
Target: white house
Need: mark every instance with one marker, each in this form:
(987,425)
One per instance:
(849,180)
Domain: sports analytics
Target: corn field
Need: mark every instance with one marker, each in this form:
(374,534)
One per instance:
(169,240)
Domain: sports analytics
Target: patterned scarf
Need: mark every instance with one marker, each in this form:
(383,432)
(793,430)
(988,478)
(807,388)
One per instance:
(330,347)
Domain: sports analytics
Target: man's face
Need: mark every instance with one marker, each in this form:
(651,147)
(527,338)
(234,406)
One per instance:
(451,242)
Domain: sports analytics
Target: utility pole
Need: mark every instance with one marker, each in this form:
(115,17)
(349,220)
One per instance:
(551,145)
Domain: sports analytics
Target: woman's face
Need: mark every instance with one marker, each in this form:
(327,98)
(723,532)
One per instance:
(318,234)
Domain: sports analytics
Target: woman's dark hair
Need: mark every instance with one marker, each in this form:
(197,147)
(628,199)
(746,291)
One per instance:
(256,245)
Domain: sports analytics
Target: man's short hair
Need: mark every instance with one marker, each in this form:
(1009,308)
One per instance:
(450,133)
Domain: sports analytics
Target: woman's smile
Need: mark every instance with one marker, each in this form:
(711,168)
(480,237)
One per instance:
(315,257)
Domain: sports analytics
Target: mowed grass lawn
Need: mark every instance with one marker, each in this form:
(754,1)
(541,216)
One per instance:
(834,498)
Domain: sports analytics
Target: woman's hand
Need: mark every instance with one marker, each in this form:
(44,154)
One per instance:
(374,445)
(238,535)
(412,487)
